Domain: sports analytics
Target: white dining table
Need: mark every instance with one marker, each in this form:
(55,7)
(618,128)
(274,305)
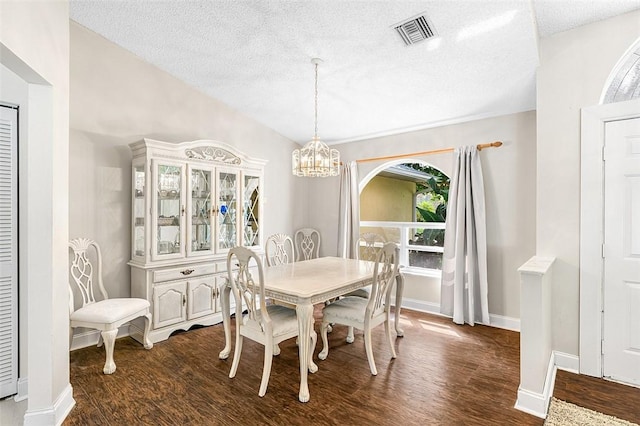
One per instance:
(304,284)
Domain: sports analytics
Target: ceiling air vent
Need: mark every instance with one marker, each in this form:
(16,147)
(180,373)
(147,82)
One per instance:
(415,30)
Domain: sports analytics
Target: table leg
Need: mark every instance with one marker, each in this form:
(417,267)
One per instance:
(399,290)
(226,321)
(305,328)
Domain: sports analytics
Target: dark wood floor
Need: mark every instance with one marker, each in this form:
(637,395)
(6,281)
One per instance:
(444,374)
(600,395)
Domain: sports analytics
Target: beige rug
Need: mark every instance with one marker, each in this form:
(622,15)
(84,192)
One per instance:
(562,413)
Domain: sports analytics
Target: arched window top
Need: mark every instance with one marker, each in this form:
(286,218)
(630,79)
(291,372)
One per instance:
(623,83)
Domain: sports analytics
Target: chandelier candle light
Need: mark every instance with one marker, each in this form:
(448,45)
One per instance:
(316,159)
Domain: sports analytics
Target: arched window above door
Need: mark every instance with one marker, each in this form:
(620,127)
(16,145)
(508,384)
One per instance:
(624,81)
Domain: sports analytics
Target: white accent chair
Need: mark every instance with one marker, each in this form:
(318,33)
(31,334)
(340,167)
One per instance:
(365,314)
(279,249)
(307,242)
(267,325)
(107,314)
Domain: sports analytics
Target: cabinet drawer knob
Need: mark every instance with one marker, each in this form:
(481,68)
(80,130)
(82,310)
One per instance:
(186,271)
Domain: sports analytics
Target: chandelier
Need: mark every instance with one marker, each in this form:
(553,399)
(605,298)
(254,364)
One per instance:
(315,159)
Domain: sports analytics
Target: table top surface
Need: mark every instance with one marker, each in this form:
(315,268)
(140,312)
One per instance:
(308,278)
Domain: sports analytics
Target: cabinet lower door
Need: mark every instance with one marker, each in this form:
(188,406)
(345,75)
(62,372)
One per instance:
(202,297)
(169,304)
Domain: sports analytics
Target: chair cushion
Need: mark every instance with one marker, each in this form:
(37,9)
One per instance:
(283,319)
(351,308)
(361,292)
(109,310)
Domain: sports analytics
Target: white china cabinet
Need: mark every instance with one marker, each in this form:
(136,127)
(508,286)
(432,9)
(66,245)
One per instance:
(191,203)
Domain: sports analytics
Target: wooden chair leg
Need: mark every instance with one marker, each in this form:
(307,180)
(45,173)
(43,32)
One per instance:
(325,342)
(266,370)
(109,337)
(147,328)
(369,349)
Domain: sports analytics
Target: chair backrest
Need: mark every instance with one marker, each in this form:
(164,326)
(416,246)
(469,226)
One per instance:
(307,242)
(369,245)
(384,275)
(82,272)
(279,250)
(240,263)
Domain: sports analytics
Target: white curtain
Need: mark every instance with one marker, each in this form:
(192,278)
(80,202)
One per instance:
(464,263)
(349,213)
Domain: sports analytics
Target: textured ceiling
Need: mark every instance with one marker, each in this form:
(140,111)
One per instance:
(255,56)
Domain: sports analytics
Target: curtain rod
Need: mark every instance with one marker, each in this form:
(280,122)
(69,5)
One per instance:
(480,147)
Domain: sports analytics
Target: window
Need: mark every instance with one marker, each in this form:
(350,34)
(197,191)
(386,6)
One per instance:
(407,204)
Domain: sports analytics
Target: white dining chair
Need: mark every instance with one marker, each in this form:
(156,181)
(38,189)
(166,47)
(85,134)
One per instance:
(264,324)
(279,249)
(307,243)
(365,314)
(107,314)
(369,245)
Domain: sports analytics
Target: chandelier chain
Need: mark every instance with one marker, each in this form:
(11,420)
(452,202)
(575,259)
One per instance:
(316,104)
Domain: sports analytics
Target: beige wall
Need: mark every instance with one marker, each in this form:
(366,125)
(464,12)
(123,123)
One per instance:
(574,67)
(387,199)
(34,45)
(510,187)
(116,99)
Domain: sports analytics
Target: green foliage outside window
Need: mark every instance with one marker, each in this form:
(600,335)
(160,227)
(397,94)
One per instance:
(433,207)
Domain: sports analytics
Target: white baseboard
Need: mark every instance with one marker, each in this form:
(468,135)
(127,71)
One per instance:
(23,390)
(90,337)
(538,404)
(497,321)
(53,415)
(419,305)
(507,323)
(532,403)
(567,362)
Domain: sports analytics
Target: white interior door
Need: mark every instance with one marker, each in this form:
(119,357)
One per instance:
(621,289)
(8,251)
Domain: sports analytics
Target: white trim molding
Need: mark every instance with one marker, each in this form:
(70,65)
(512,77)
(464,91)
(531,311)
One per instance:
(419,305)
(507,323)
(53,415)
(497,321)
(23,390)
(537,404)
(567,362)
(91,337)
(594,120)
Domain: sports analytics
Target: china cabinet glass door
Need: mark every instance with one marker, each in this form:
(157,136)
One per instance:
(227,210)
(169,210)
(138,210)
(251,191)
(200,196)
